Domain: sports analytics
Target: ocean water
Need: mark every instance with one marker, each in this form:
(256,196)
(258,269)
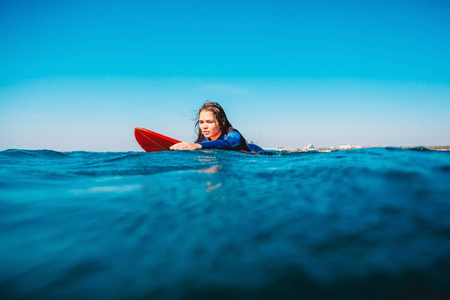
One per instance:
(356,224)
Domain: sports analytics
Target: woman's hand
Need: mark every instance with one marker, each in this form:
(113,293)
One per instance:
(186,146)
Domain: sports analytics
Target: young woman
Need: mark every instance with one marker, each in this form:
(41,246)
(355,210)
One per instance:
(216,132)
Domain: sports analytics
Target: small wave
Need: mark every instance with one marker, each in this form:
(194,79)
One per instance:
(21,153)
(124,156)
(107,189)
(445,168)
(419,149)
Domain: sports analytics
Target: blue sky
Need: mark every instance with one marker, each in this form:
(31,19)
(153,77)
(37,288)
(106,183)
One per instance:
(80,75)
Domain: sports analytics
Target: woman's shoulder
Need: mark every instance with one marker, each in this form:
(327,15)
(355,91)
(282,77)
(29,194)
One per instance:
(233,134)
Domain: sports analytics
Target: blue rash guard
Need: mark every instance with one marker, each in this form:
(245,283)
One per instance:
(229,141)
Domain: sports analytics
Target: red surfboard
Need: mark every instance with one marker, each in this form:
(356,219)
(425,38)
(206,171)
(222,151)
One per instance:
(151,141)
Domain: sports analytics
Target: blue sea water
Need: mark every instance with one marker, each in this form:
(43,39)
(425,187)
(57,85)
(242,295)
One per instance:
(356,224)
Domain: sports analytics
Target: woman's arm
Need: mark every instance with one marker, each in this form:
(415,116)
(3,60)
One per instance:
(230,141)
(185,146)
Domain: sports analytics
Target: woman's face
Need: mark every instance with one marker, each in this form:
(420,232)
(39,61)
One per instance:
(209,125)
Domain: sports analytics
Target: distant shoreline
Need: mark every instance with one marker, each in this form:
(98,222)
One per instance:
(352,147)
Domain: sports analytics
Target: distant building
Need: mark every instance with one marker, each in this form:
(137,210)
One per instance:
(348,146)
(309,148)
(345,146)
